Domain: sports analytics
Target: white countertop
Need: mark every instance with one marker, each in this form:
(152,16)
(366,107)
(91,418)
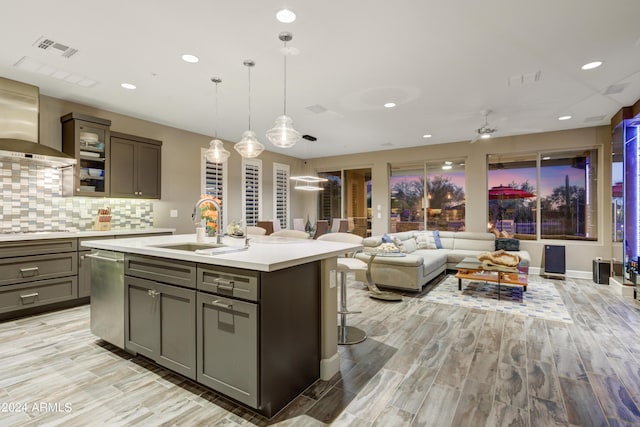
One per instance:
(265,253)
(10,237)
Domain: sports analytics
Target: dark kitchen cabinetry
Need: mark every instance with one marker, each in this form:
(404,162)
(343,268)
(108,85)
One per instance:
(87,139)
(159,324)
(36,273)
(135,166)
(159,317)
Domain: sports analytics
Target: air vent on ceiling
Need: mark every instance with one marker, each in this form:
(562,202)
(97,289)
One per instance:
(594,119)
(524,78)
(317,109)
(613,89)
(54,47)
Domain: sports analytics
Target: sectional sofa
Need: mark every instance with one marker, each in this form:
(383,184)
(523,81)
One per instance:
(426,256)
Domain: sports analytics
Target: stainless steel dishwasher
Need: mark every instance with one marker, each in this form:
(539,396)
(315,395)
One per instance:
(107,296)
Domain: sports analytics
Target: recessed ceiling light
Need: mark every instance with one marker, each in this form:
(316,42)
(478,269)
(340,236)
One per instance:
(564,117)
(286,16)
(389,105)
(427,135)
(546,158)
(129,86)
(485,136)
(448,162)
(591,65)
(446,167)
(191,59)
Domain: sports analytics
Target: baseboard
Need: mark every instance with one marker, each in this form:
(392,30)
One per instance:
(329,367)
(573,274)
(616,287)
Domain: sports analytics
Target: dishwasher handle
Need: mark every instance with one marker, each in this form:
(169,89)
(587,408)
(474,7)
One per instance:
(103,258)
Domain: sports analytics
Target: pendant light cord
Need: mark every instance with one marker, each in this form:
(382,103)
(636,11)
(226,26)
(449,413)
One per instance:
(285,77)
(249,73)
(215,131)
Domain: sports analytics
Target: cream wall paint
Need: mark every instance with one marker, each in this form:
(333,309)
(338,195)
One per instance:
(180,164)
(579,254)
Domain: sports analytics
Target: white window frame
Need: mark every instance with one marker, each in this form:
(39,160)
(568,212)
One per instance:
(286,170)
(258,164)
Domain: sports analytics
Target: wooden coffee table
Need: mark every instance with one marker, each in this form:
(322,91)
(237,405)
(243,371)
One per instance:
(472,269)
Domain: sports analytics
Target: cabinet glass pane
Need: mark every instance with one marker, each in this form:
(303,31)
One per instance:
(92,158)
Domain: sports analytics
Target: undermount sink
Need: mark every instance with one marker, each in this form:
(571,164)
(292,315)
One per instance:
(202,248)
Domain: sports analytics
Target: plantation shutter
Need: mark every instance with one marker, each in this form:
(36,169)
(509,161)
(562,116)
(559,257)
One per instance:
(281,193)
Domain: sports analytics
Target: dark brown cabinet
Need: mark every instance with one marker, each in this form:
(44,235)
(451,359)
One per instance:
(135,166)
(87,139)
(160,322)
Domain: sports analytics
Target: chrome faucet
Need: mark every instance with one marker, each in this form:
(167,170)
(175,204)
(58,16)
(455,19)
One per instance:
(197,217)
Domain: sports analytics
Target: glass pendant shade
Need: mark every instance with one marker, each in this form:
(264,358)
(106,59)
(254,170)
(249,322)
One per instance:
(216,152)
(283,134)
(249,146)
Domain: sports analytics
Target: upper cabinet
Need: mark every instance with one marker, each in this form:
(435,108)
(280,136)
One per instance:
(87,139)
(135,166)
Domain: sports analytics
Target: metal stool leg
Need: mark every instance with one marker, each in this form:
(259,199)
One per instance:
(347,334)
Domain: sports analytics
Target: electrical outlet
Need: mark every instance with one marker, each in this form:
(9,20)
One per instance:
(173,213)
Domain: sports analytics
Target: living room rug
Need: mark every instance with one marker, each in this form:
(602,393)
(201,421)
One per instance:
(541,299)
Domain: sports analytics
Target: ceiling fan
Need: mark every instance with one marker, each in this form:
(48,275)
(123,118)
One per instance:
(485,131)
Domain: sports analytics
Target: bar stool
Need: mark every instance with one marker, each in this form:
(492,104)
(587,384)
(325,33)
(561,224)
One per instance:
(347,334)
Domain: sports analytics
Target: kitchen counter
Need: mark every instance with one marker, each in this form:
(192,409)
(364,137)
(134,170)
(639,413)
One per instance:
(9,237)
(268,255)
(265,253)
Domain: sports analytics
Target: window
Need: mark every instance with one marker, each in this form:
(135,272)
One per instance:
(251,190)
(445,201)
(330,199)
(214,181)
(281,193)
(617,185)
(406,185)
(512,194)
(568,197)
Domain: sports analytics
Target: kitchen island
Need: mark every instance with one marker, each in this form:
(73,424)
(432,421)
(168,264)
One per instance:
(257,324)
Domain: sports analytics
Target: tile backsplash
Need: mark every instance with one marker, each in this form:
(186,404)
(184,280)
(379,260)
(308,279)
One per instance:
(31,199)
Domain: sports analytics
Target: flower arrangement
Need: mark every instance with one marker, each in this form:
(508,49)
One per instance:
(210,213)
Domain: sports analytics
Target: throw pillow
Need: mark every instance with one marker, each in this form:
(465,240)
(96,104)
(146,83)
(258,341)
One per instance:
(406,246)
(436,239)
(423,241)
(386,238)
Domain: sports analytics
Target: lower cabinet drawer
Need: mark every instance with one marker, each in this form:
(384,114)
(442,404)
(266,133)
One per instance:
(41,292)
(37,267)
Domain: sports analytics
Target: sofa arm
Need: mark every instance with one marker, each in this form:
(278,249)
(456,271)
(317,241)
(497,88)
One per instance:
(403,261)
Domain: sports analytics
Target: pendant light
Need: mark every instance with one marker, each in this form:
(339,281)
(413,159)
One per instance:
(283,134)
(307,180)
(216,152)
(249,146)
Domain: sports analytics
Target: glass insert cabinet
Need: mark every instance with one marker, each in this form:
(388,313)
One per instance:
(87,139)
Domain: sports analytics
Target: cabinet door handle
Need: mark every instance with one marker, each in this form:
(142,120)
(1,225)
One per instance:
(32,270)
(153,293)
(224,284)
(220,304)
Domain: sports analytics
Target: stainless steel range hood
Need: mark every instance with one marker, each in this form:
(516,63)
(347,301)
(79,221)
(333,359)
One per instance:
(19,126)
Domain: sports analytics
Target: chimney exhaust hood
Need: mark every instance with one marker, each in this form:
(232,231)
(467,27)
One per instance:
(19,126)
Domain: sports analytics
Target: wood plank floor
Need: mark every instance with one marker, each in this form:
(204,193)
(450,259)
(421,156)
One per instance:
(423,364)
